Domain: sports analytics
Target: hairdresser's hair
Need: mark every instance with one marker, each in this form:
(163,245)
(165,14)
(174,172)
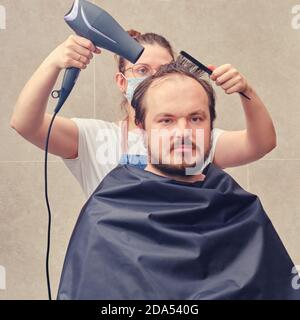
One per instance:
(165,71)
(146,38)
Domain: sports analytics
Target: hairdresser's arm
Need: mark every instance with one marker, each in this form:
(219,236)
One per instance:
(236,148)
(30,119)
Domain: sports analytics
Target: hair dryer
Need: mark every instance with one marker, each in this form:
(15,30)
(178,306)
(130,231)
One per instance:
(93,23)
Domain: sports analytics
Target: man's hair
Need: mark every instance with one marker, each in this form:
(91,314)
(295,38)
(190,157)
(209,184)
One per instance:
(165,71)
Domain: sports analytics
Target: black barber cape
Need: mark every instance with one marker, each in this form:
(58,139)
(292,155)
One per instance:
(144,236)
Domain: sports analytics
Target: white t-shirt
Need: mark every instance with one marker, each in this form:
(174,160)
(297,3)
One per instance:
(100,150)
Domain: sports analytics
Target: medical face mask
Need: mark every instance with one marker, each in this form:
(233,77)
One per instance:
(132,84)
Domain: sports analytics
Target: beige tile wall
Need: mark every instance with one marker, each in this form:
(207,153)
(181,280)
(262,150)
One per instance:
(255,36)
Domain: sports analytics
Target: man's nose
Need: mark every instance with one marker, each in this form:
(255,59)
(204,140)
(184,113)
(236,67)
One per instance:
(182,129)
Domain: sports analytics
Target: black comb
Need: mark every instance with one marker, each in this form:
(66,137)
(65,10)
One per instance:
(199,66)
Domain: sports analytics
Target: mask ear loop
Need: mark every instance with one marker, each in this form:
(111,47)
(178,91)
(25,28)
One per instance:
(123,75)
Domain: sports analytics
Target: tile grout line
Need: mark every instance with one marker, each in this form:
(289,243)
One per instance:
(31,161)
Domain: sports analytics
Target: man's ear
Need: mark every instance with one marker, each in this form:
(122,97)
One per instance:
(121,82)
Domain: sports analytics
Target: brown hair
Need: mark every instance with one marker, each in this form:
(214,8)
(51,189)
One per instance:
(164,71)
(146,38)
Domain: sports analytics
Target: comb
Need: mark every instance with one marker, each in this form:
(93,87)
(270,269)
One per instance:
(195,67)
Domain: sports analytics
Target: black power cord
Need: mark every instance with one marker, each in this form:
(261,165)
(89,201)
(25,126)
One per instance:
(48,207)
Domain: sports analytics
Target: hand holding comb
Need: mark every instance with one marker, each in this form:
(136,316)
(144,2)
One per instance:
(194,66)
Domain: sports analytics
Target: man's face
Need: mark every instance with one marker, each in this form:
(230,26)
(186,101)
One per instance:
(177,124)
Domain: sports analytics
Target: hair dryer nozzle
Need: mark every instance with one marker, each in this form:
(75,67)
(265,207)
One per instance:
(95,24)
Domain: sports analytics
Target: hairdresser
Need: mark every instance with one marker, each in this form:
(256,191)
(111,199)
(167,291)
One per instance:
(91,148)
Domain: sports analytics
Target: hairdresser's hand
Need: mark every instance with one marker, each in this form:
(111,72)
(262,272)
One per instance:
(75,52)
(229,78)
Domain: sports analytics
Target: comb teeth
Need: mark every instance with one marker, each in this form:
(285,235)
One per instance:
(183,62)
(191,64)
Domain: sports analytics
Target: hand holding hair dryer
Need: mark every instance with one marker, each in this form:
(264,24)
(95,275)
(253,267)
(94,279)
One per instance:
(93,23)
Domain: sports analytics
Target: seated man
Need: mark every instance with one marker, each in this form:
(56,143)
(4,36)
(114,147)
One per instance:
(182,228)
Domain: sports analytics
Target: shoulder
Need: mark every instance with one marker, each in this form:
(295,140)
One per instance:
(216,132)
(94,126)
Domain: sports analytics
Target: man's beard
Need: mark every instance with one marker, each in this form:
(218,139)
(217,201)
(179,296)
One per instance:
(180,169)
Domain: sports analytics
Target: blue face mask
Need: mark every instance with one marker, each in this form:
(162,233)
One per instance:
(132,85)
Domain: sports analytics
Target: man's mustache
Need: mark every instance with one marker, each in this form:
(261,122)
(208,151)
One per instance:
(183,143)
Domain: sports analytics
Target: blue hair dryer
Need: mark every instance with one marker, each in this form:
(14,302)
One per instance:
(93,23)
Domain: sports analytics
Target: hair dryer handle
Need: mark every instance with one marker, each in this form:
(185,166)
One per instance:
(69,80)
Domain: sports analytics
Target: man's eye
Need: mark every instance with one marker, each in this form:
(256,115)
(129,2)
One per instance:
(166,121)
(196,119)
